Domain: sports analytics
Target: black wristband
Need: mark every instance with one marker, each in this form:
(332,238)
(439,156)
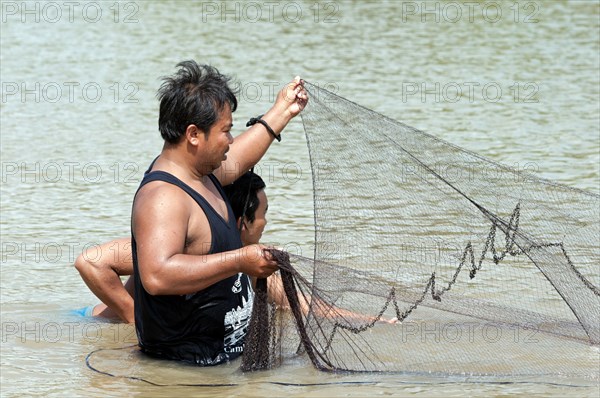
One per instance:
(258,119)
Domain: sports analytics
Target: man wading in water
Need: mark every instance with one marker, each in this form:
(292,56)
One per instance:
(192,292)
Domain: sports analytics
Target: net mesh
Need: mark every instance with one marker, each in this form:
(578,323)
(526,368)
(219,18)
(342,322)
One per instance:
(489,270)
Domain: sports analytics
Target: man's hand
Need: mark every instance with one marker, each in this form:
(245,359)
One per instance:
(250,146)
(256,261)
(292,99)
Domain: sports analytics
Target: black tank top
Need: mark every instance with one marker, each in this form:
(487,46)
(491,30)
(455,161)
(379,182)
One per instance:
(207,327)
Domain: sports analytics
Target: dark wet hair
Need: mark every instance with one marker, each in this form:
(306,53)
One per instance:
(194,95)
(243,194)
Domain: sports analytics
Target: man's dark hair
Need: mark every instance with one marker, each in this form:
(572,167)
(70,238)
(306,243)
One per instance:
(194,95)
(243,194)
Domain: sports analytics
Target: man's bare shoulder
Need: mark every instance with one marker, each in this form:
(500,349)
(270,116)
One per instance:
(162,196)
(165,212)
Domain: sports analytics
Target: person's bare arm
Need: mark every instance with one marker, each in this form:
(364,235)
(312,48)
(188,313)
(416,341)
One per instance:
(250,146)
(161,216)
(104,311)
(100,268)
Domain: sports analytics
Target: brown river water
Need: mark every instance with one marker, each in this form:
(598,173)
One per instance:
(517,82)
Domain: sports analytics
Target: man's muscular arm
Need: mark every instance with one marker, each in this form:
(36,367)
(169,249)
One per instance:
(250,146)
(161,219)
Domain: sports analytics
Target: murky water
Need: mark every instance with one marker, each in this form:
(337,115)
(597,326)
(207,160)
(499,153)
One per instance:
(517,82)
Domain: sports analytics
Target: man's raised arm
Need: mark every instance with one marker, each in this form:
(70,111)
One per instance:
(250,146)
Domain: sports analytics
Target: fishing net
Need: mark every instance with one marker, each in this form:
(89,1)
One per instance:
(488,270)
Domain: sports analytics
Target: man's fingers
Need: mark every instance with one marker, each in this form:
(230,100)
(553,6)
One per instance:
(266,253)
(297,83)
(295,91)
(271,261)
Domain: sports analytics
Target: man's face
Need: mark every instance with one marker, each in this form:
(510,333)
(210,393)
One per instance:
(252,231)
(219,138)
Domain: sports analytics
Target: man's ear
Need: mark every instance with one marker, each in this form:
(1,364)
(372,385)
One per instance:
(193,134)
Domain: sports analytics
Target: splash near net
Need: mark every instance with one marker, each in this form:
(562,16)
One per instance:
(490,271)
